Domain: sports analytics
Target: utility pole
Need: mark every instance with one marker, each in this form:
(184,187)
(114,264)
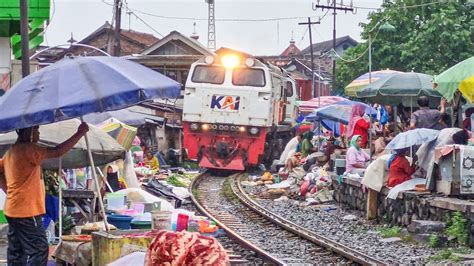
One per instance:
(309,23)
(118,20)
(211,26)
(335,9)
(24,31)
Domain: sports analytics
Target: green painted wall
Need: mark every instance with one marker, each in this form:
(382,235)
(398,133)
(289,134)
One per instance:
(38,13)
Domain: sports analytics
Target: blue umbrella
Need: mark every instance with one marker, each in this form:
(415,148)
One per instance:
(412,137)
(125,116)
(333,126)
(338,112)
(77,86)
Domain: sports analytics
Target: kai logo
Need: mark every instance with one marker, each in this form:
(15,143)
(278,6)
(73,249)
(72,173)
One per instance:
(225,103)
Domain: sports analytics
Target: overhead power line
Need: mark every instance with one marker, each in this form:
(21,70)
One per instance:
(401,7)
(218,19)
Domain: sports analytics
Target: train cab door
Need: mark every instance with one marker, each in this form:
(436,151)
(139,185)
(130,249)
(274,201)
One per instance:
(290,100)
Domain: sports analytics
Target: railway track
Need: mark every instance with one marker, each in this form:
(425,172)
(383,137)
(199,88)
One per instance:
(263,232)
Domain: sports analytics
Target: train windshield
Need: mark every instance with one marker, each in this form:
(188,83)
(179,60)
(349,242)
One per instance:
(208,74)
(248,77)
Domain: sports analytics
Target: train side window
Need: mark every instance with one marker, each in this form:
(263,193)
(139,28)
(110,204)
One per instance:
(208,74)
(248,77)
(289,89)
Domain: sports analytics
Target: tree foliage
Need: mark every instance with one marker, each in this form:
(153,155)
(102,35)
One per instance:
(429,38)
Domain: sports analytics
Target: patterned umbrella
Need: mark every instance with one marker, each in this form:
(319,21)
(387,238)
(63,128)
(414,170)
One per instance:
(412,137)
(122,133)
(307,107)
(363,81)
(459,76)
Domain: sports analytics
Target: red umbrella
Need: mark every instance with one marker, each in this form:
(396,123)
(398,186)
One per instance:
(307,107)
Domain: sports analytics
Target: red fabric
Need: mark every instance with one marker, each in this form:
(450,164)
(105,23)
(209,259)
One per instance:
(357,113)
(304,188)
(303,128)
(362,128)
(400,171)
(185,248)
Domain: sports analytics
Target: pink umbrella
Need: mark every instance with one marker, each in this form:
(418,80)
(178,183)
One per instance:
(307,107)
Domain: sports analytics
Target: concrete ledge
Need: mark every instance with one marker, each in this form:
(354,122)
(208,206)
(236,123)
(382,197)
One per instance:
(432,199)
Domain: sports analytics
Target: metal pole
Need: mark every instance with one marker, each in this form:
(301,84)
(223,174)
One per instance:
(309,23)
(411,112)
(370,110)
(334,47)
(370,58)
(312,57)
(60,170)
(395,114)
(96,181)
(319,101)
(25,60)
(118,20)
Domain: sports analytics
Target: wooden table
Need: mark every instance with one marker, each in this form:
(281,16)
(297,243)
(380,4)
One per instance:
(87,196)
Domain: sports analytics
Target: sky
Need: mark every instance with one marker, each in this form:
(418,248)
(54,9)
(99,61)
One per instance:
(160,17)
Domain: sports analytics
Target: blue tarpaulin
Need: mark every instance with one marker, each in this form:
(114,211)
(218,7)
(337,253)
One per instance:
(338,112)
(77,86)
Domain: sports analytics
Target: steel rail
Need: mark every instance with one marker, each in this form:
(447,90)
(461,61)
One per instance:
(231,233)
(332,245)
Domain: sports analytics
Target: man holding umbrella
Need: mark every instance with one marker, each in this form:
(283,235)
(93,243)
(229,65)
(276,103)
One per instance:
(25,202)
(426,117)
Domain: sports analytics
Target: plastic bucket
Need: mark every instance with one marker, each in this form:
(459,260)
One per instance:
(161,220)
(3,219)
(140,225)
(182,222)
(120,221)
(115,201)
(139,207)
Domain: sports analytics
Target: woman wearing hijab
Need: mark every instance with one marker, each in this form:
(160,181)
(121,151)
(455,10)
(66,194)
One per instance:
(358,125)
(400,168)
(112,178)
(356,158)
(306,146)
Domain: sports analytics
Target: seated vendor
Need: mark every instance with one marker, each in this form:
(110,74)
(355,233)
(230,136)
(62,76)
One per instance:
(151,161)
(356,158)
(306,146)
(292,162)
(290,148)
(400,168)
(331,146)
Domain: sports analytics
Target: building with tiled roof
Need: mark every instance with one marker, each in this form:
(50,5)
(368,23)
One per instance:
(291,50)
(342,44)
(131,42)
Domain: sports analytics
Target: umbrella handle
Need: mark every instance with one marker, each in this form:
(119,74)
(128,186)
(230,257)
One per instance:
(60,192)
(96,180)
(105,180)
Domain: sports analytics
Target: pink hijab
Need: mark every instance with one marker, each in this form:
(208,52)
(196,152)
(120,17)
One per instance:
(357,113)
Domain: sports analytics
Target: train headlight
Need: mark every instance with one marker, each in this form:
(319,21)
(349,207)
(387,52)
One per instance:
(205,127)
(209,60)
(194,127)
(242,129)
(250,62)
(230,60)
(253,131)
